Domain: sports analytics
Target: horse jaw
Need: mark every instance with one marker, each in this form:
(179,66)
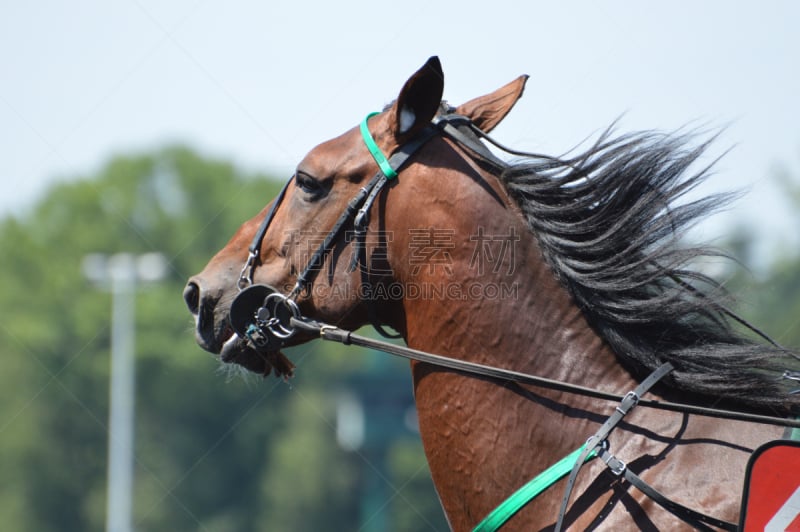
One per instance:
(237,350)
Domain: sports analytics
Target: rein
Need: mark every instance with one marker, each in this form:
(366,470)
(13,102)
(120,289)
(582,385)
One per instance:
(345,337)
(267,318)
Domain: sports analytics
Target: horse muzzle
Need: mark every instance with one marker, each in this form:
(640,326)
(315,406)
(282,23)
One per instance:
(250,332)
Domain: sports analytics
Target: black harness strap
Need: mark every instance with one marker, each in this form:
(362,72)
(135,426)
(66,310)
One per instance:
(318,258)
(331,333)
(460,129)
(692,517)
(360,260)
(599,438)
(599,443)
(246,276)
(361,223)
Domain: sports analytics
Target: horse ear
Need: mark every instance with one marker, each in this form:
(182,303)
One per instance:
(487,111)
(419,99)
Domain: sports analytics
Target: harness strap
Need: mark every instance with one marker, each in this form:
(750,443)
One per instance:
(694,518)
(318,258)
(246,275)
(357,209)
(599,438)
(459,128)
(361,220)
(359,259)
(395,162)
(506,510)
(342,336)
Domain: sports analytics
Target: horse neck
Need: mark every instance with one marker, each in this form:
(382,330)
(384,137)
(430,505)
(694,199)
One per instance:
(478,288)
(505,309)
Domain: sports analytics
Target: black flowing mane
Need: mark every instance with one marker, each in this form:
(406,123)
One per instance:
(608,225)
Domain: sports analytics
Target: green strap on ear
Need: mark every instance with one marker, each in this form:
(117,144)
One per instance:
(376,152)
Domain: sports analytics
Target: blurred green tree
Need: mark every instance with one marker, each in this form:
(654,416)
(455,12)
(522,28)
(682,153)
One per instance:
(772,300)
(213,451)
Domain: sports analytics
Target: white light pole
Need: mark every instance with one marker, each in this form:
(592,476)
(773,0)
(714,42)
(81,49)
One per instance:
(121,273)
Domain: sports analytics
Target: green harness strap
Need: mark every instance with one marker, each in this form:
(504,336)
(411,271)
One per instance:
(528,492)
(373,148)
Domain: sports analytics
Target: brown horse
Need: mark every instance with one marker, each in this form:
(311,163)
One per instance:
(563,268)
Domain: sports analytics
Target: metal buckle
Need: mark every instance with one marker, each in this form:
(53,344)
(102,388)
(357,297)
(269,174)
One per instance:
(616,465)
(326,329)
(246,280)
(361,218)
(630,400)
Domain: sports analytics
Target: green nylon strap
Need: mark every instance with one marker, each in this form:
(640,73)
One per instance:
(529,491)
(373,148)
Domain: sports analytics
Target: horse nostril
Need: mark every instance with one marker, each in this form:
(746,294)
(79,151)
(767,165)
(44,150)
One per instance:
(191,294)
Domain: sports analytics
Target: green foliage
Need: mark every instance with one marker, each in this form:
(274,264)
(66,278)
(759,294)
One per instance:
(771,300)
(214,451)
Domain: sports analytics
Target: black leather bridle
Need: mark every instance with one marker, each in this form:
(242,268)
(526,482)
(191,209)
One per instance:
(267,326)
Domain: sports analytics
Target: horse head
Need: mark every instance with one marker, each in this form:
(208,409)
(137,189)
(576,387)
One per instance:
(327,178)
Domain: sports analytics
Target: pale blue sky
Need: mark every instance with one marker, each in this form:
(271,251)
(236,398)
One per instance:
(263,82)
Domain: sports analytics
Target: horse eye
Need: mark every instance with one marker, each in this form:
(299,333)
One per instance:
(309,185)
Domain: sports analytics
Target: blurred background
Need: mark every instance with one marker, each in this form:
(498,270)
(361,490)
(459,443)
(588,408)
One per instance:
(143,127)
